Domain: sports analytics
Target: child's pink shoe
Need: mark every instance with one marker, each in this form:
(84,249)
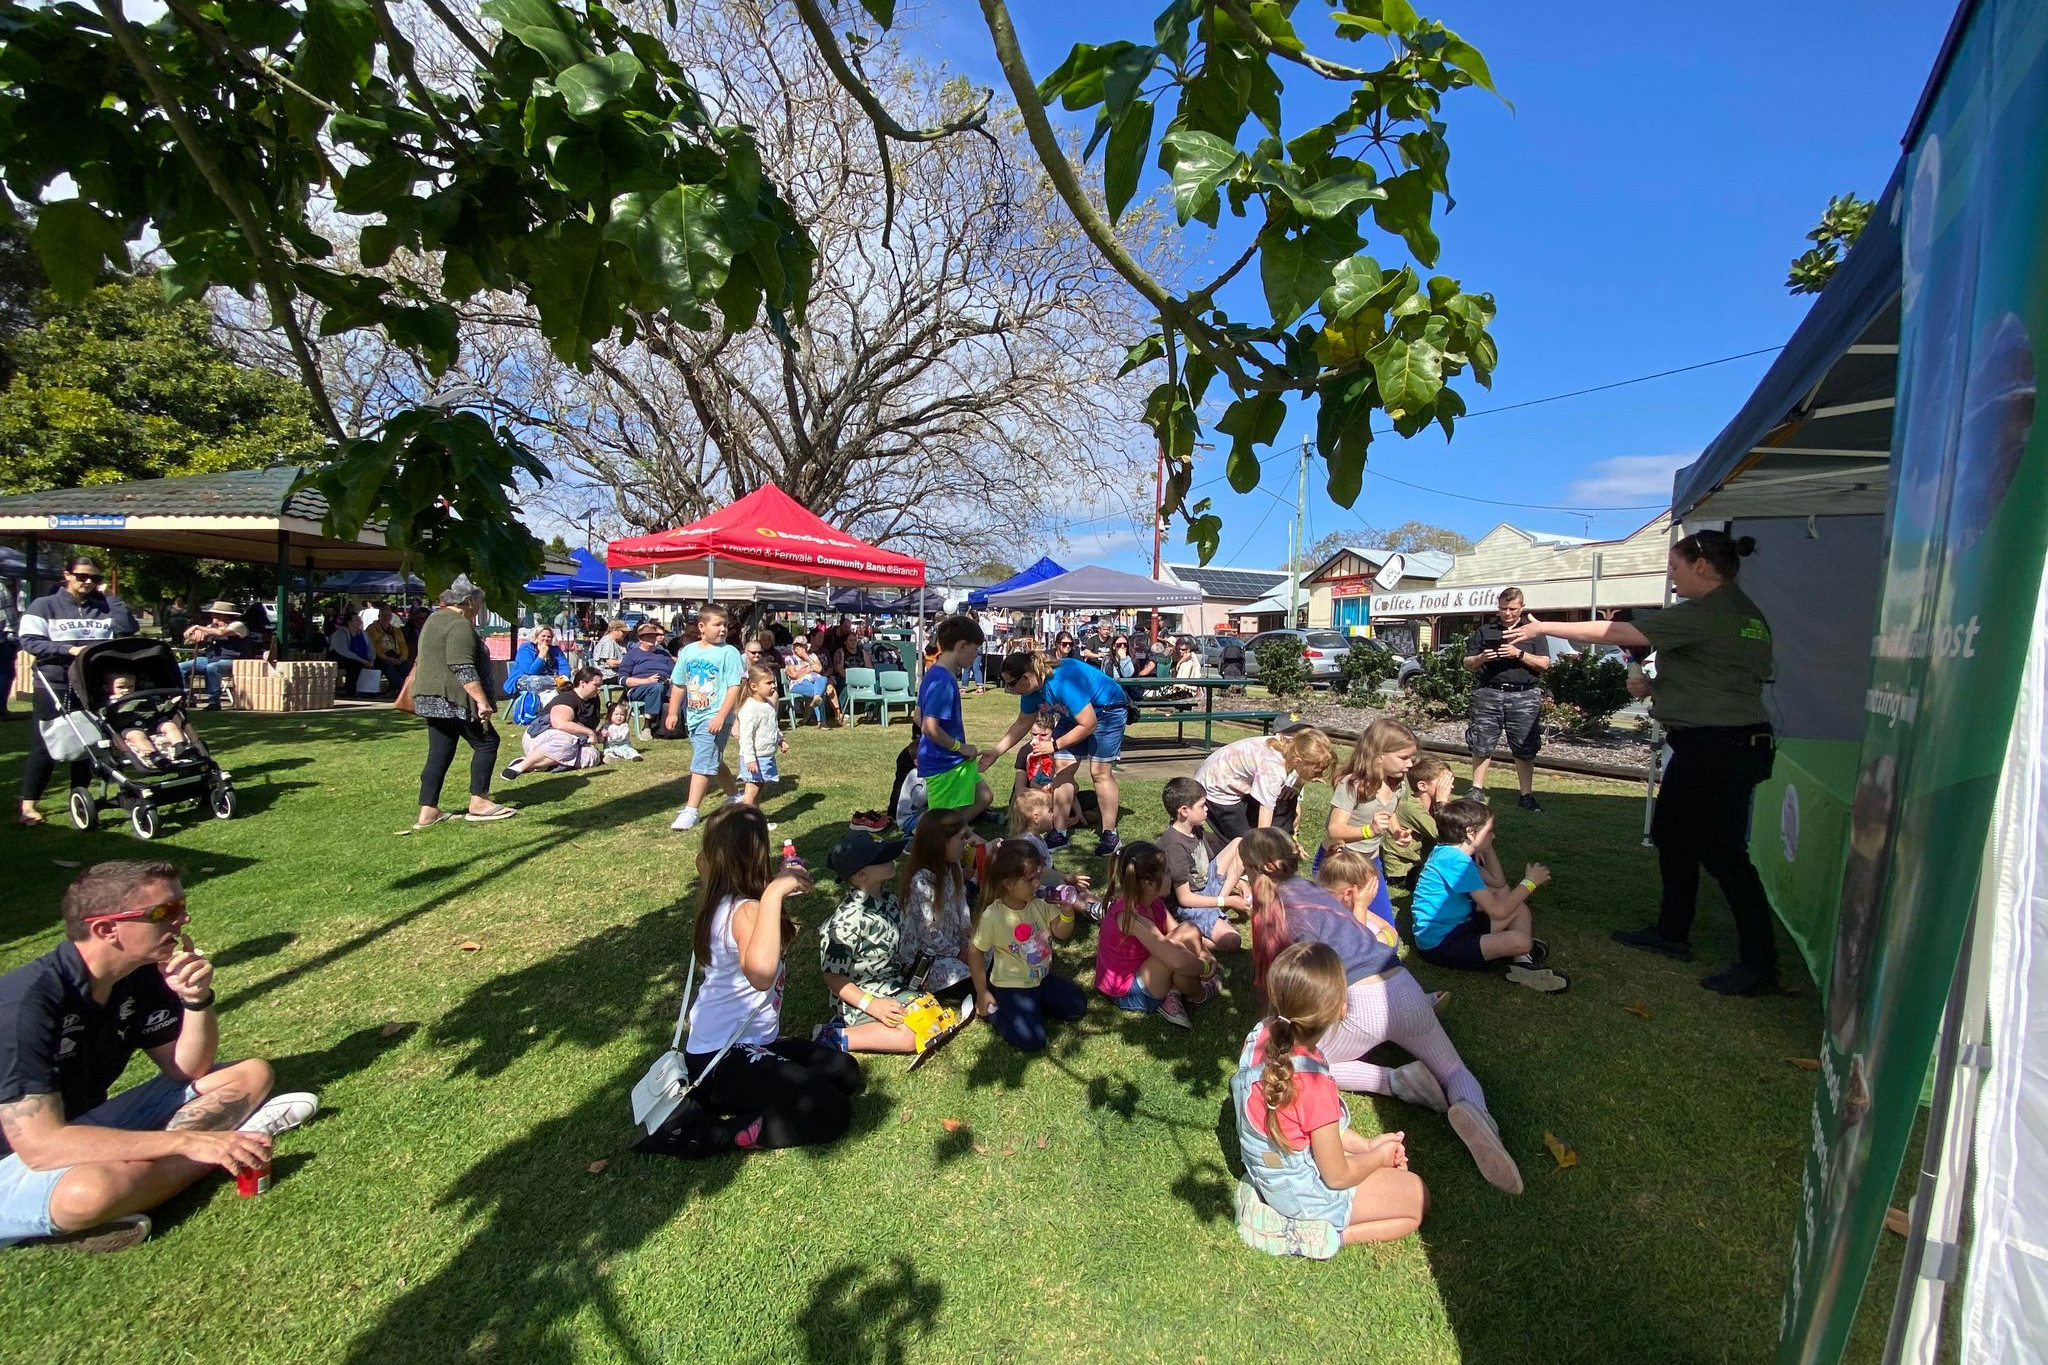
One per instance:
(1174,1010)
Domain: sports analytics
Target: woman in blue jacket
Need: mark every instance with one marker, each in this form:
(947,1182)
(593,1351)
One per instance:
(533,671)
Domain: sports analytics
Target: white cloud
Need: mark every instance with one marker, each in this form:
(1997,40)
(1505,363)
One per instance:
(1627,480)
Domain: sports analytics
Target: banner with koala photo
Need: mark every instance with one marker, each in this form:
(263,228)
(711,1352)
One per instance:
(1969,509)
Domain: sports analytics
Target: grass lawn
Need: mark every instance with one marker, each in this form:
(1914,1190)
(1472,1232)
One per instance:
(467,1192)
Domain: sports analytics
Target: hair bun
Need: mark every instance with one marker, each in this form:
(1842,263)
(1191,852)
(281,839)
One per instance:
(1745,546)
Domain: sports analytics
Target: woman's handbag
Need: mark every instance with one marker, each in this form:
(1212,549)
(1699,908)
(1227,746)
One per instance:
(403,701)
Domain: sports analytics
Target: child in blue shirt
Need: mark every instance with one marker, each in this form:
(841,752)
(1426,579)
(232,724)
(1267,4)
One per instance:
(945,760)
(707,680)
(1466,915)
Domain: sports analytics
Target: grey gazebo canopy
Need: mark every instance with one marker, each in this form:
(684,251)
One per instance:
(1093,585)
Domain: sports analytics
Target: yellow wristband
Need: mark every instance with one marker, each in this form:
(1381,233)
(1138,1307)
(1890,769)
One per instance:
(1066,918)
(1528,886)
(866,1001)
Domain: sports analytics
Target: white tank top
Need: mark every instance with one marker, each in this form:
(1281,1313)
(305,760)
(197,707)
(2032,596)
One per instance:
(725,997)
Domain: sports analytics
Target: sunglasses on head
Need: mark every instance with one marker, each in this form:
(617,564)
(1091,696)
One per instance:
(164,913)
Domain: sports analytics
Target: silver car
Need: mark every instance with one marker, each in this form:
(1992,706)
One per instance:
(1321,650)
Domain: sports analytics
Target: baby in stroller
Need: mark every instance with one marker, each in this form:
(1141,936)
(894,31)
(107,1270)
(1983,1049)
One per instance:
(153,729)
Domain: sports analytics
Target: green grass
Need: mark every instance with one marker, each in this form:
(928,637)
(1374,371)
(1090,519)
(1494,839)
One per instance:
(443,1206)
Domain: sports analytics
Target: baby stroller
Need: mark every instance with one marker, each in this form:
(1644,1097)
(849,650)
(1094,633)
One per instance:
(90,727)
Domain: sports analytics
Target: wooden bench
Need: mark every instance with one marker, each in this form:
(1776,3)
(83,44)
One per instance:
(1181,716)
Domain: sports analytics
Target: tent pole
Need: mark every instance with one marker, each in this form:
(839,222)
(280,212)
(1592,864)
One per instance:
(279,613)
(710,579)
(28,567)
(1933,1251)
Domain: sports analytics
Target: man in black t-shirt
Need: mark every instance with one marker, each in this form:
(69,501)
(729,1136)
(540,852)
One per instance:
(76,1167)
(1507,698)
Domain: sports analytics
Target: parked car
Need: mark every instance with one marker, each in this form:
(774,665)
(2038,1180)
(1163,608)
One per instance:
(1322,650)
(1455,649)
(1412,665)
(1212,650)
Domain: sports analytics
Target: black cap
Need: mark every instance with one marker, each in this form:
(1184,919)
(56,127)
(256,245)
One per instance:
(861,849)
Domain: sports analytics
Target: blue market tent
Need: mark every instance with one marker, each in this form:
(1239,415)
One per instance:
(921,602)
(372,581)
(1037,573)
(858,602)
(591,579)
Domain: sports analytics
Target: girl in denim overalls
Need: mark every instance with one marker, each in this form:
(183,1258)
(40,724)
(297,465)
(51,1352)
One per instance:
(1311,1184)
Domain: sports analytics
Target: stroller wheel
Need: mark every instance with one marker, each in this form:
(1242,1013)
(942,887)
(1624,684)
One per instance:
(143,818)
(223,803)
(84,814)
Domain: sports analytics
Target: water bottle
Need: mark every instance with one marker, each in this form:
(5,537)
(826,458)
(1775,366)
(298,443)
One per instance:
(790,862)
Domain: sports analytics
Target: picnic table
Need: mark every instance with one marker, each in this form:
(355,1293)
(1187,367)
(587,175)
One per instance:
(1182,711)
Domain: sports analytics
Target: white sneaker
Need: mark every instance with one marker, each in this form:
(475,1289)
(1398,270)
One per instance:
(686,820)
(1417,1084)
(282,1113)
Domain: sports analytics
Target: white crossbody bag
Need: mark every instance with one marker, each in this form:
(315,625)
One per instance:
(667,1083)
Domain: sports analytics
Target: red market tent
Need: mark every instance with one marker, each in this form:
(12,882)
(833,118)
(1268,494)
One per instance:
(772,538)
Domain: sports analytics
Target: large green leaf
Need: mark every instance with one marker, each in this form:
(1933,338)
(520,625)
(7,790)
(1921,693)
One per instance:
(1128,140)
(1343,431)
(1406,209)
(1330,196)
(1198,162)
(569,288)
(1409,374)
(1273,22)
(1250,423)
(1461,54)
(545,27)
(882,12)
(1292,274)
(1352,283)
(72,239)
(590,87)
(337,49)
(378,184)
(1142,353)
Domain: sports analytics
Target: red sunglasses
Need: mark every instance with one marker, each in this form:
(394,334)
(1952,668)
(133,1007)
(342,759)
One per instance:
(164,913)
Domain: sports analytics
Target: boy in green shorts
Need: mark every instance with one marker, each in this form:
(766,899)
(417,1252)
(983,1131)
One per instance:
(945,760)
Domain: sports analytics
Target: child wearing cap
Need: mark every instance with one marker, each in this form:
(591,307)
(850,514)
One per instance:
(861,950)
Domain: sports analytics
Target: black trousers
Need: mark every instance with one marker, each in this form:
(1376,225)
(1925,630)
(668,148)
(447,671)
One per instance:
(1702,821)
(9,647)
(36,771)
(441,738)
(351,669)
(800,1091)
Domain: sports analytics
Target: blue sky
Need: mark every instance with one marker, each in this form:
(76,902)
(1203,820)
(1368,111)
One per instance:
(1633,213)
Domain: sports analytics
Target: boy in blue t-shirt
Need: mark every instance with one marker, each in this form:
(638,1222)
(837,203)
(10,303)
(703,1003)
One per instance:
(945,760)
(1465,913)
(707,680)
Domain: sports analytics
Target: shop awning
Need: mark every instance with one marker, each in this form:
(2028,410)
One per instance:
(1816,434)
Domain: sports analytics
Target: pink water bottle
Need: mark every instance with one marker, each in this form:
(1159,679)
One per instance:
(790,862)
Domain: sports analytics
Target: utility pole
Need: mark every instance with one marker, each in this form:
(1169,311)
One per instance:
(1297,538)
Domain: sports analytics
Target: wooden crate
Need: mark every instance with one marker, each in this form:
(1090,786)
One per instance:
(291,685)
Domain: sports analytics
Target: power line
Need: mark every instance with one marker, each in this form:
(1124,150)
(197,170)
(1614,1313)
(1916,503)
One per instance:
(1531,506)
(1624,383)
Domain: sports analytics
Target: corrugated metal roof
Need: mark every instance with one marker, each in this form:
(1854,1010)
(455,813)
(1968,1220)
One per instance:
(1228,585)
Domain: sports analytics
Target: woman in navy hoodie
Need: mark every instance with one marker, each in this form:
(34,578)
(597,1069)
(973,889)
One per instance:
(55,627)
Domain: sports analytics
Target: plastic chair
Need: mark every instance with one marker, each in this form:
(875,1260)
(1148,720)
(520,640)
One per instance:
(895,689)
(861,691)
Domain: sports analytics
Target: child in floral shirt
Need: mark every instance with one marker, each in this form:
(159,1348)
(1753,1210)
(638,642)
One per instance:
(862,950)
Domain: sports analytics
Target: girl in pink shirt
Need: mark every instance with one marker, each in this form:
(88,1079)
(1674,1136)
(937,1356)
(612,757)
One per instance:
(1144,960)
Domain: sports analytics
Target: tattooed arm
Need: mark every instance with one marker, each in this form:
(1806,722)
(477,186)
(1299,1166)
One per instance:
(35,1128)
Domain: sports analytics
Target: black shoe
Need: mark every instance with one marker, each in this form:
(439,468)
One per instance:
(1529,801)
(1108,844)
(1744,978)
(212,705)
(1648,937)
(1538,954)
(510,771)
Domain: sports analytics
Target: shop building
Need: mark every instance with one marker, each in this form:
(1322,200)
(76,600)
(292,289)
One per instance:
(1227,594)
(1340,589)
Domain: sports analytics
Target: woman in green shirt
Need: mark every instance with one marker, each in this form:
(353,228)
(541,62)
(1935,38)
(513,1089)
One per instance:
(448,693)
(1713,659)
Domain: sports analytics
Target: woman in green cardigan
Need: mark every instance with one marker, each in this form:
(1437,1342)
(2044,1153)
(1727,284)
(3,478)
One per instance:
(448,693)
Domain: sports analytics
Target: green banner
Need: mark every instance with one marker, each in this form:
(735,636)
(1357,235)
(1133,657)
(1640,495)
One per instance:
(1969,511)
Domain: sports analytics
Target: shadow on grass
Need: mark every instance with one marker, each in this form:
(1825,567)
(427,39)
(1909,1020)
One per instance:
(544,1232)
(249,949)
(869,1314)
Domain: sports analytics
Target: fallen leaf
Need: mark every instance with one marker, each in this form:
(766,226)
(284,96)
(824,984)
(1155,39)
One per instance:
(1565,1155)
(1899,1221)
(65,862)
(469,945)
(392,1029)
(1009,1151)
(1804,1063)
(597,1165)
(950,1125)
(1041,1142)
(903,1117)
(205,870)
(1639,1010)
(980,1150)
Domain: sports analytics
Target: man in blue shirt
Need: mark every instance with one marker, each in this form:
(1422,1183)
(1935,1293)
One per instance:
(645,669)
(945,760)
(707,677)
(1089,710)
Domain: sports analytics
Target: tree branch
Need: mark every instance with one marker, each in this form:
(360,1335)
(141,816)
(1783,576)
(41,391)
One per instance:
(1241,19)
(274,287)
(828,48)
(462,34)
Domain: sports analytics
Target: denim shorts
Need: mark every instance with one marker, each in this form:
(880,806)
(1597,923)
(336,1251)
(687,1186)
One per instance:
(707,749)
(1106,745)
(1203,917)
(1138,1000)
(25,1194)
(763,770)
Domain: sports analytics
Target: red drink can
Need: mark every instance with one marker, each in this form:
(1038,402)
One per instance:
(250,1183)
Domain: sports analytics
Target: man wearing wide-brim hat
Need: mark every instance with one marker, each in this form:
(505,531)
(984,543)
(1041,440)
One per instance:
(220,641)
(645,669)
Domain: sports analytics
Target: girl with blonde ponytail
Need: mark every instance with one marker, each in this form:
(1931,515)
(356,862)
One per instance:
(1311,1185)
